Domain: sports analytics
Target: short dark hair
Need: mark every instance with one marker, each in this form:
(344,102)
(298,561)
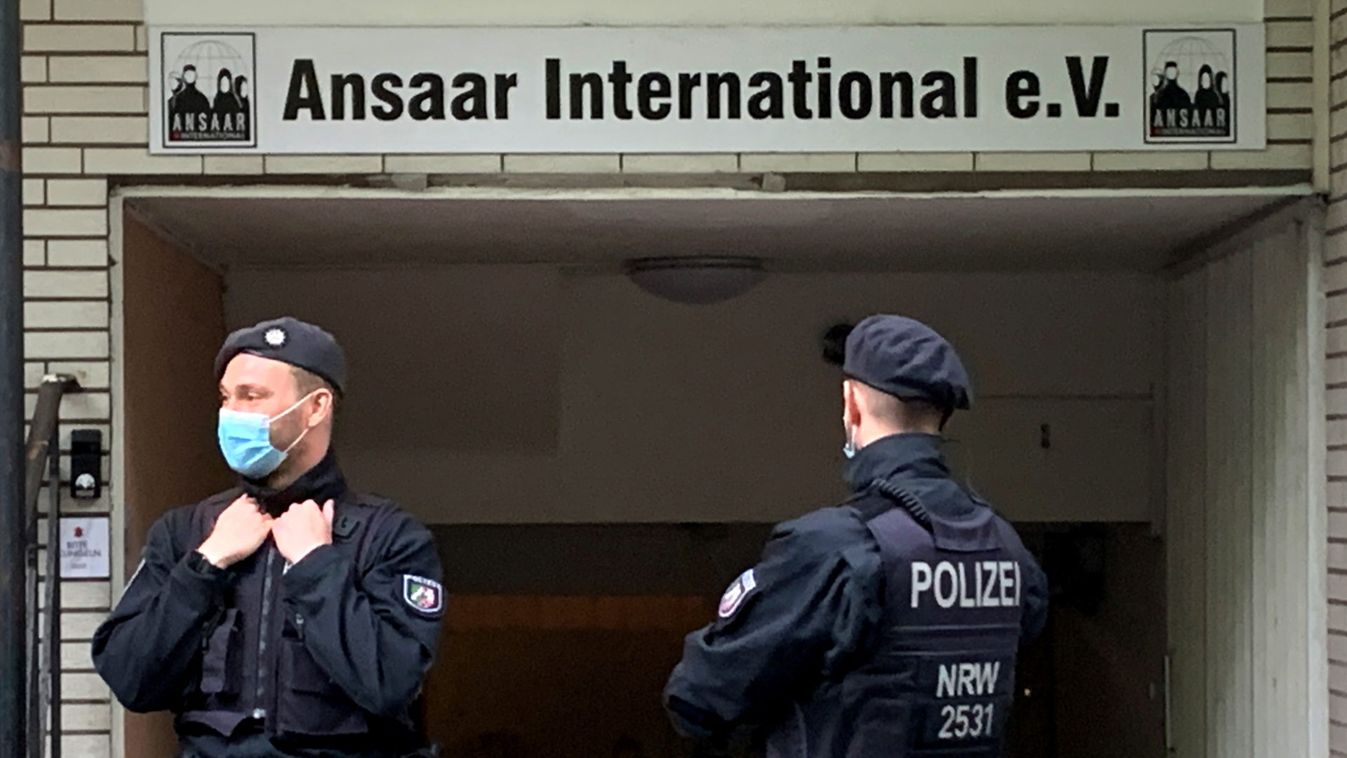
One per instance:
(309,382)
(906,414)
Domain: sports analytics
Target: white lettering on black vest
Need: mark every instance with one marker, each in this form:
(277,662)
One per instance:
(966,584)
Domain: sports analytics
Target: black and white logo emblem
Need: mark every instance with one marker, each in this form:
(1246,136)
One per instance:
(1190,85)
(208,90)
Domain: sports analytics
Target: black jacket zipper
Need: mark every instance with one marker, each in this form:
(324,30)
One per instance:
(264,631)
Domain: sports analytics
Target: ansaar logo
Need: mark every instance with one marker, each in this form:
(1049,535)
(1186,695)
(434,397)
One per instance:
(1190,80)
(208,85)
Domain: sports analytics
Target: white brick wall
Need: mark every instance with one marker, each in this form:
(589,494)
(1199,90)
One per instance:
(78,38)
(51,160)
(137,160)
(49,314)
(34,10)
(65,284)
(66,345)
(102,426)
(78,253)
(82,406)
(681,164)
(798,162)
(1289,33)
(35,129)
(33,68)
(1293,126)
(61,98)
(99,10)
(47,222)
(85,120)
(1289,65)
(1335,287)
(34,253)
(80,625)
(1032,162)
(914,162)
(100,130)
(1275,156)
(79,192)
(84,718)
(324,164)
(86,745)
(84,687)
(563,164)
(439,164)
(98,68)
(34,192)
(32,374)
(1289,94)
(101,506)
(91,375)
(234,164)
(1288,8)
(81,595)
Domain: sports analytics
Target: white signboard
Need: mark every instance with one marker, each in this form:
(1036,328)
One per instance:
(670,90)
(84,548)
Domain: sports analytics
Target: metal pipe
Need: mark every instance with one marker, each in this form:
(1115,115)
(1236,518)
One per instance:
(52,733)
(40,430)
(13,526)
(43,455)
(33,634)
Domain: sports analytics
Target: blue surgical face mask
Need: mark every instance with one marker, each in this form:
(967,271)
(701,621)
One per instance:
(245,441)
(849,449)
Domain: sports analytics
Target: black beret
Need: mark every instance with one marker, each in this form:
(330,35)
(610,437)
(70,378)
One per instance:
(291,341)
(907,359)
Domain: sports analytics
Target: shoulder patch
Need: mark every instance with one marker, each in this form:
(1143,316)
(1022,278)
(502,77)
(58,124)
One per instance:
(422,594)
(737,592)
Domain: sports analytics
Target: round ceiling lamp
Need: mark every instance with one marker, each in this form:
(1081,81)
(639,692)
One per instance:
(696,280)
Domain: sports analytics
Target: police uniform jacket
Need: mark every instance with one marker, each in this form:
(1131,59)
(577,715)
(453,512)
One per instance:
(321,658)
(886,626)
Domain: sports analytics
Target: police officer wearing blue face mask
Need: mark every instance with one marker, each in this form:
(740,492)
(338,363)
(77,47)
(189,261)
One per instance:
(885,627)
(289,616)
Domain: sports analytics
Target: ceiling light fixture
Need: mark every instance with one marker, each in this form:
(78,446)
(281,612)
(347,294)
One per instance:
(696,280)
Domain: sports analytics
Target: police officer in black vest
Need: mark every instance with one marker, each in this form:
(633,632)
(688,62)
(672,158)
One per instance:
(887,626)
(289,616)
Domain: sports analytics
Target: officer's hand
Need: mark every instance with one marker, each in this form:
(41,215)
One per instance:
(238,532)
(302,528)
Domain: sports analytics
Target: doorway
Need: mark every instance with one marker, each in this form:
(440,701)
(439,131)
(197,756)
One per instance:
(598,463)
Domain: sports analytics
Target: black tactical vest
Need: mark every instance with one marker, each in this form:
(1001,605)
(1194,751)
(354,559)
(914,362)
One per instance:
(940,681)
(257,675)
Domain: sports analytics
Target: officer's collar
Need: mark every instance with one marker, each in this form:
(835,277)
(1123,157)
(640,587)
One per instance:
(896,457)
(321,483)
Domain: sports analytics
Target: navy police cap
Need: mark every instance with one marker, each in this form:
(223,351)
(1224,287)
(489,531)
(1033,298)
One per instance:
(907,359)
(291,341)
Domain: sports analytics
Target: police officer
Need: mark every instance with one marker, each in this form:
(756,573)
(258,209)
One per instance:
(886,626)
(289,616)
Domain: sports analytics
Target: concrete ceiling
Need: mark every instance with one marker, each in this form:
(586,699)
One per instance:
(833,233)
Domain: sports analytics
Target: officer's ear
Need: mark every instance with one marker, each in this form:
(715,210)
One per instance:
(325,406)
(851,405)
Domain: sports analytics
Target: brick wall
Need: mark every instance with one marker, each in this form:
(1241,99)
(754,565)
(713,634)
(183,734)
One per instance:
(1335,286)
(85,105)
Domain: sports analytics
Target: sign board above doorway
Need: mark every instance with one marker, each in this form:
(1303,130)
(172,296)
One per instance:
(295,90)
